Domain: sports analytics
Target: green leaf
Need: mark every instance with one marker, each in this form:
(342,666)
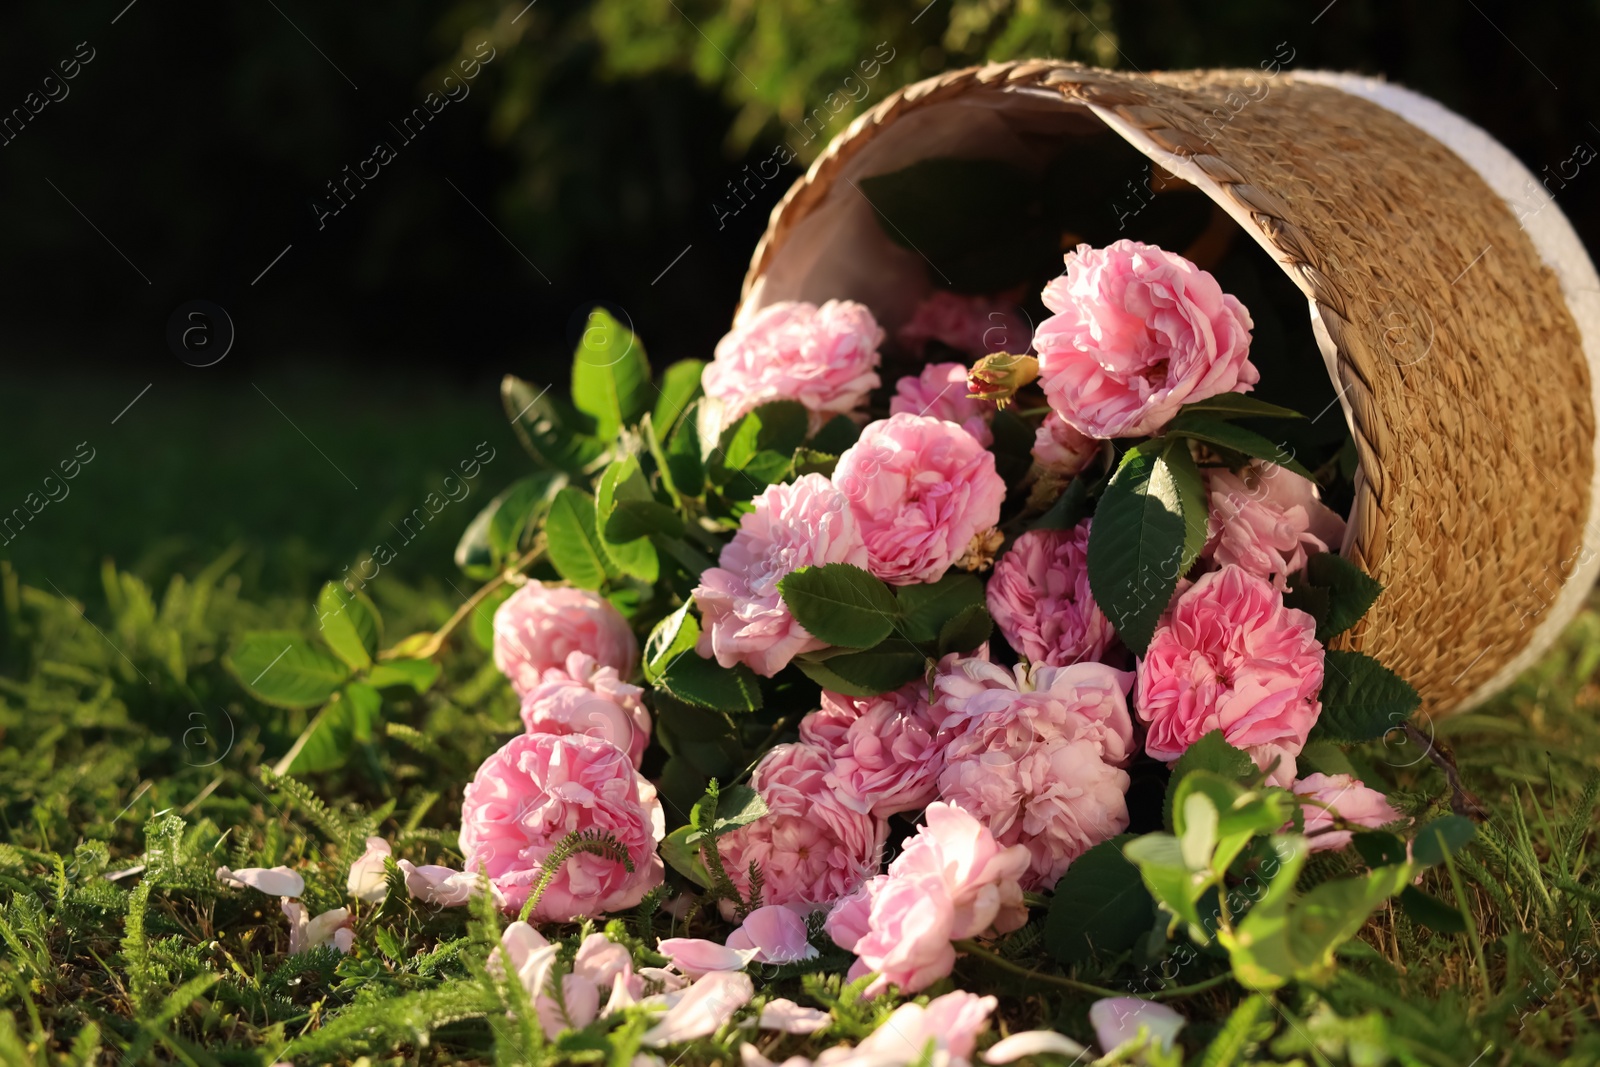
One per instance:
(1194,498)
(758,449)
(1431,912)
(1075,504)
(610,375)
(328,739)
(573,542)
(810,461)
(882,669)
(482,621)
(926,608)
(687,469)
(635,556)
(473,554)
(680,388)
(1100,906)
(1309,599)
(836,435)
(285,670)
(1238,405)
(722,810)
(674,636)
(1214,431)
(1349,590)
(1288,938)
(521,506)
(419,674)
(350,625)
(970,628)
(840,604)
(1380,848)
(1159,858)
(1441,837)
(1136,544)
(704,683)
(633,519)
(365,705)
(1012,447)
(1210,753)
(1361,699)
(685,858)
(553,432)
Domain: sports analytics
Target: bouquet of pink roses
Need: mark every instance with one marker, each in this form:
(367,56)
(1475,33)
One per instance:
(873,662)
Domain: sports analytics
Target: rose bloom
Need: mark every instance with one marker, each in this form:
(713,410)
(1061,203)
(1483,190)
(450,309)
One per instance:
(1229,655)
(1267,520)
(1016,707)
(941,391)
(1350,799)
(1034,756)
(1041,602)
(539,788)
(1060,449)
(974,325)
(811,849)
(1137,333)
(744,619)
(825,357)
(540,625)
(920,490)
(980,877)
(887,751)
(586,698)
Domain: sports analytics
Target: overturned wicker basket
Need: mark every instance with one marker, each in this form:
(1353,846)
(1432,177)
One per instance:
(1456,311)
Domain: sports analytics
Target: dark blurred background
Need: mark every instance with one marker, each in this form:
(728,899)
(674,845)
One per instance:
(587,158)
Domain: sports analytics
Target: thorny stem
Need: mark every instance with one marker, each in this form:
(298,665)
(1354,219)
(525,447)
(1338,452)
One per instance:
(1462,800)
(431,647)
(995,959)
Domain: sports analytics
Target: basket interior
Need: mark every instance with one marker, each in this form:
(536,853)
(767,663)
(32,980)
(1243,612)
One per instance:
(838,249)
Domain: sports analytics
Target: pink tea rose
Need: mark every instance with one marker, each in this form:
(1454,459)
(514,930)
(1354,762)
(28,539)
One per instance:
(851,916)
(911,922)
(811,848)
(1137,333)
(535,791)
(1230,656)
(540,625)
(985,703)
(1267,520)
(887,751)
(1041,602)
(980,877)
(975,325)
(367,880)
(1059,798)
(1349,799)
(941,391)
(920,489)
(825,357)
(587,698)
(775,934)
(744,619)
(1060,449)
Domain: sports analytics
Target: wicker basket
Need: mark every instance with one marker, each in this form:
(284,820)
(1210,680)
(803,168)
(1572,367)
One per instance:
(1455,309)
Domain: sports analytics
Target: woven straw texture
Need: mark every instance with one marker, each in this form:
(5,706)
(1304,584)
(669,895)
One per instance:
(1459,365)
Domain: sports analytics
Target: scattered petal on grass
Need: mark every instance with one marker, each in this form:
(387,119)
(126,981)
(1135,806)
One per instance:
(1032,1043)
(702,1009)
(792,1018)
(275,881)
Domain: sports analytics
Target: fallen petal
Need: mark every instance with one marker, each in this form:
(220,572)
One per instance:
(275,881)
(702,1009)
(1117,1021)
(1032,1043)
(791,1018)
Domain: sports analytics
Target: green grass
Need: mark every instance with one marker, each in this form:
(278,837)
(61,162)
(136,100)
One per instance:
(127,742)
